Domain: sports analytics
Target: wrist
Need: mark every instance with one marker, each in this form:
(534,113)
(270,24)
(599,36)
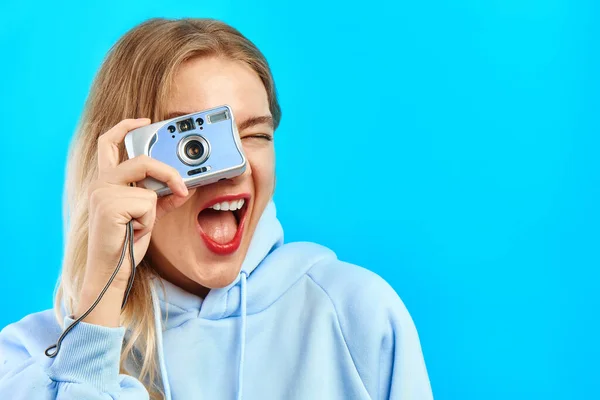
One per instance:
(108,310)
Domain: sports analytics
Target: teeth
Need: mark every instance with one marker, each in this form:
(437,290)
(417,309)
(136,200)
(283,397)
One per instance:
(229,205)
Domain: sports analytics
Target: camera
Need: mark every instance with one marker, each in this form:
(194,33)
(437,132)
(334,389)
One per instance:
(204,148)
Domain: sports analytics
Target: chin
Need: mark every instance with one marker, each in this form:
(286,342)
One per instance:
(217,273)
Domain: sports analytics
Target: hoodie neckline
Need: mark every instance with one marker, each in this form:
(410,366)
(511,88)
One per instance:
(177,297)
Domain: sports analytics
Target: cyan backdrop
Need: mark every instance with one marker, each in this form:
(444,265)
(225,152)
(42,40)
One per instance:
(473,186)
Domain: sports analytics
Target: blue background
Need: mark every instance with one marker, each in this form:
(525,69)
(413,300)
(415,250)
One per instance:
(473,186)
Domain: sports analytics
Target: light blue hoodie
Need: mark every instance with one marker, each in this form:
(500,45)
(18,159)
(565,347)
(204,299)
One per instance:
(297,323)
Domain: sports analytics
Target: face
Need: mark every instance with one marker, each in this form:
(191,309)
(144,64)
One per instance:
(195,246)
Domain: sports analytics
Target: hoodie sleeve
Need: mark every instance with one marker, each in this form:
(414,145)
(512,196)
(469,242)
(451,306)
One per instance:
(86,367)
(379,332)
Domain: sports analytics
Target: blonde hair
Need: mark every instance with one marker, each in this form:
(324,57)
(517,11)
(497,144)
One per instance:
(134,81)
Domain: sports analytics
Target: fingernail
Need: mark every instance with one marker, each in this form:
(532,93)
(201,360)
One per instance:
(184,188)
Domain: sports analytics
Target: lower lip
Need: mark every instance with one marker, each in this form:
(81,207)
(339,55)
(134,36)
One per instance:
(224,249)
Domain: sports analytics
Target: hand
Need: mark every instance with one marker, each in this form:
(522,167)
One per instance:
(112,204)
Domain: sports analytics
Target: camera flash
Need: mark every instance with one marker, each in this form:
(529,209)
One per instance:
(220,116)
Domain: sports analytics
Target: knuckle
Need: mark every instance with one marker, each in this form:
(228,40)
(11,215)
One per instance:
(94,195)
(147,195)
(146,206)
(101,206)
(91,189)
(102,209)
(152,195)
(151,206)
(144,159)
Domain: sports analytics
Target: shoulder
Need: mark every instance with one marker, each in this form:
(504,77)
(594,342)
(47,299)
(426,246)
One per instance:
(377,330)
(359,294)
(29,336)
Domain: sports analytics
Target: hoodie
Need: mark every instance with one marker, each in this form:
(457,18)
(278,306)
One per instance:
(296,323)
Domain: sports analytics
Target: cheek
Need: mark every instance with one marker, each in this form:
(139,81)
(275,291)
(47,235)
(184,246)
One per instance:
(168,230)
(262,167)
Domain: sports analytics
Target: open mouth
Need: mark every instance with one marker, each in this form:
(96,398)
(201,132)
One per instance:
(221,223)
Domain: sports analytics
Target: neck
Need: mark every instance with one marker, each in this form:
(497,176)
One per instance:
(169,273)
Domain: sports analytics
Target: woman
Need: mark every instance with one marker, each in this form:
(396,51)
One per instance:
(220,307)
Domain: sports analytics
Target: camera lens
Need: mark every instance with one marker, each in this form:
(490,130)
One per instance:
(193,149)
(199,121)
(171,129)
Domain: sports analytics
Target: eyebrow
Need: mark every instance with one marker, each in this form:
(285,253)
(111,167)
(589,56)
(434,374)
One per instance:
(252,121)
(245,124)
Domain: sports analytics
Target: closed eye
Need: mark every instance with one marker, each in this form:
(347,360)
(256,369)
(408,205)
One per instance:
(259,136)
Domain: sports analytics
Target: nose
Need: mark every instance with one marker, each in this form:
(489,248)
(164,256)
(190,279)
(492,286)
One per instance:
(237,180)
(244,175)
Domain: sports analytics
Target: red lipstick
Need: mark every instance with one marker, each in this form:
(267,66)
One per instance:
(231,246)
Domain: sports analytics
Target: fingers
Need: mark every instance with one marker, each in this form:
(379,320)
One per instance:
(108,143)
(146,215)
(142,212)
(126,203)
(142,166)
(139,205)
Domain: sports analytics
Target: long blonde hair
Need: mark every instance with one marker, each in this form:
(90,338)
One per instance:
(134,81)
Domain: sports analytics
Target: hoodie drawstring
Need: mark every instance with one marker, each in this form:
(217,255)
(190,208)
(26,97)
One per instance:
(159,335)
(159,344)
(242,333)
